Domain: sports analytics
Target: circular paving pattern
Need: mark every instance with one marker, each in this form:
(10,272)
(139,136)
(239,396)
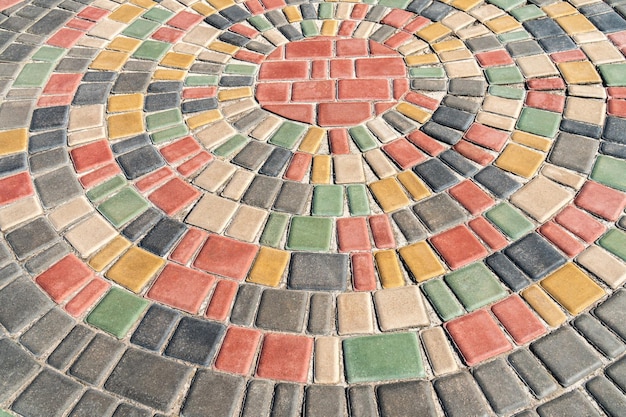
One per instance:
(212,208)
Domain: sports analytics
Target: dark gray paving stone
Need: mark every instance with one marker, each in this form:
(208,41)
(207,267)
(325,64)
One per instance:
(16,367)
(308,11)
(155,327)
(439,212)
(428,85)
(557,44)
(571,404)
(164,101)
(409,225)
(325,401)
(235,14)
(275,163)
(250,120)
(139,162)
(206,67)
(225,395)
(163,236)
(195,340)
(580,128)
(293,197)
(47,140)
(543,28)
(566,355)
(574,152)
(508,273)
(49,395)
(49,23)
(436,175)
(57,186)
(534,375)
(142,224)
(16,24)
(91,93)
(262,191)
(362,401)
(471,88)
(406,398)
(321,314)
(165,87)
(400,122)
(260,47)
(497,181)
(5,254)
(148,379)
(524,48)
(436,11)
(617,373)
(49,256)
(599,336)
(465,104)
(234,39)
(441,132)
(45,161)
(133,65)
(287,400)
(460,397)
(282,310)
(276,18)
(96,361)
(31,237)
(595,8)
(458,162)
(610,398)
(16,52)
(218,21)
(127,145)
(614,128)
(454,118)
(483,43)
(253,155)
(47,332)
(199,105)
(501,386)
(70,347)
(49,118)
(258,399)
(318,271)
(245,306)
(21,303)
(9,272)
(131,82)
(535,256)
(608,22)
(94,403)
(82,52)
(127,410)
(13,163)
(611,313)
(613,149)
(30,12)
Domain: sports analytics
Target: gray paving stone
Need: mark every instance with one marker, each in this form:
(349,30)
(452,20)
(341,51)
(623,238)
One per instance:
(581,128)
(617,373)
(406,398)
(611,313)
(436,175)
(164,101)
(70,347)
(14,114)
(245,306)
(508,273)
(465,104)
(458,162)
(318,271)
(142,224)
(483,43)
(148,379)
(534,375)
(428,85)
(94,403)
(409,225)
(557,44)
(57,186)
(282,310)
(131,82)
(16,52)
(275,163)
(613,149)
(436,11)
(527,413)
(127,410)
(454,118)
(613,129)
(362,401)
(47,332)
(49,256)
(381,34)
(262,191)
(574,152)
(95,362)
(155,327)
(195,340)
(399,122)
(524,48)
(497,181)
(163,236)
(460,397)
(16,368)
(325,401)
(139,66)
(31,237)
(21,303)
(49,395)
(195,106)
(49,118)
(571,404)
(287,400)
(599,336)
(293,197)
(127,145)
(225,394)
(610,398)
(535,256)
(250,120)
(566,355)
(439,212)
(501,386)
(45,161)
(49,23)
(417,6)
(139,162)
(47,140)
(235,13)
(218,21)
(165,86)
(13,164)
(9,272)
(321,314)
(91,93)
(464,87)
(253,155)
(442,133)
(258,399)
(206,68)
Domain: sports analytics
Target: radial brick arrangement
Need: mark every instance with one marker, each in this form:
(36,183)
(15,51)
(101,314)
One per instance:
(328,209)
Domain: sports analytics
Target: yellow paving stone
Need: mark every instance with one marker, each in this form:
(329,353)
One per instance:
(465,5)
(579,72)
(424,59)
(223,47)
(203,119)
(434,32)
(123,44)
(293,14)
(421,261)
(572,288)
(221,4)
(503,24)
(125,124)
(320,171)
(544,306)
(326,365)
(203,9)
(178,60)
(109,61)
(329,28)
(533,141)
(144,3)
(312,140)
(109,253)
(413,112)
(413,185)
(13,141)
(135,268)
(234,93)
(126,13)
(446,46)
(269,266)
(389,194)
(520,160)
(541,198)
(170,75)
(389,269)
(575,23)
(125,102)
(559,9)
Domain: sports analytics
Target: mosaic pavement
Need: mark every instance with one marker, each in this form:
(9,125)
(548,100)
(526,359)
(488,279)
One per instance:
(392,208)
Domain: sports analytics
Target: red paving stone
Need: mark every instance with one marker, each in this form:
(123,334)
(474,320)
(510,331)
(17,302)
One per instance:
(188,245)
(601,200)
(238,350)
(87,297)
(353,235)
(285,357)
(15,187)
(64,277)
(181,287)
(518,320)
(458,246)
(404,153)
(227,257)
(472,197)
(221,300)
(174,196)
(580,223)
(91,156)
(381,231)
(363,272)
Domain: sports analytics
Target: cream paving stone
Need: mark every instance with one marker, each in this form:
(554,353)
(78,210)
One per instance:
(214,56)
(238,185)
(364,29)
(68,213)
(275,37)
(187,48)
(585,110)
(216,174)
(473,32)
(400,308)
(462,69)
(355,313)
(348,169)
(86,117)
(215,134)
(246,223)
(457,55)
(84,136)
(239,107)
(602,52)
(458,20)
(504,106)
(536,66)
(602,264)
(90,235)
(201,35)
(107,29)
(379,163)
(495,120)
(19,212)
(327,361)
(265,129)
(587,37)
(563,176)
(438,351)
(486,12)
(382,130)
(541,198)
(212,213)
(413,47)
(588,91)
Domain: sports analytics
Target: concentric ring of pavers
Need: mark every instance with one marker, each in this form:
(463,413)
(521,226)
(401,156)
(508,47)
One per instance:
(224,260)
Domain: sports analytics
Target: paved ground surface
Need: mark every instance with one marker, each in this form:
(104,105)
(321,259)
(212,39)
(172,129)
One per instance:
(312,208)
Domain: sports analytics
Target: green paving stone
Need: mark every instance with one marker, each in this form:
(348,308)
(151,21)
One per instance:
(427,73)
(201,80)
(370,1)
(123,206)
(507,5)
(106,188)
(164,119)
(159,15)
(4,413)
(141,28)
(309,28)
(326,11)
(117,312)
(287,135)
(230,146)
(529,12)
(240,69)
(475,286)
(310,233)
(358,203)
(169,134)
(508,219)
(327,200)
(382,357)
(363,138)
(49,54)
(442,299)
(396,4)
(260,23)
(615,242)
(274,230)
(610,171)
(506,92)
(614,75)
(504,75)
(152,50)
(34,75)
(539,122)
(516,35)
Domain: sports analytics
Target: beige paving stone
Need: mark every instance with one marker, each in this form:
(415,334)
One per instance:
(105,4)
(215,134)
(90,235)
(238,185)
(86,117)
(602,52)
(462,69)
(201,35)
(348,169)
(342,12)
(172,5)
(457,55)
(608,268)
(19,212)
(212,213)
(247,223)
(187,48)
(275,37)
(536,66)
(382,130)
(69,212)
(238,107)
(473,31)
(379,163)
(215,175)
(327,362)
(92,42)
(458,20)
(413,47)
(364,30)
(214,56)
(589,91)
(355,313)
(585,110)
(563,176)
(503,106)
(486,12)
(85,136)
(266,128)
(587,37)
(541,198)
(495,120)
(438,351)
(400,308)
(107,29)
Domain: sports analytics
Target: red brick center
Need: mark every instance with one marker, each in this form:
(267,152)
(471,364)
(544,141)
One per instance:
(331,81)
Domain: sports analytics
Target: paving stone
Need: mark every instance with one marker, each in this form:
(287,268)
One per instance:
(573,403)
(508,273)
(195,341)
(282,310)
(406,398)
(326,401)
(93,403)
(43,161)
(127,410)
(163,236)
(399,122)
(501,386)
(580,128)
(535,376)
(439,212)
(275,163)
(262,191)
(144,222)
(47,332)
(287,400)
(441,133)
(258,398)
(16,368)
(38,263)
(312,271)
(460,396)
(409,225)
(131,82)
(139,162)
(458,162)
(599,336)
(21,303)
(610,398)
(48,140)
(9,272)
(246,303)
(609,313)
(497,181)
(92,93)
(321,314)
(226,389)
(148,379)
(436,175)
(155,327)
(581,160)
(293,197)
(49,394)
(57,187)
(71,345)
(535,256)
